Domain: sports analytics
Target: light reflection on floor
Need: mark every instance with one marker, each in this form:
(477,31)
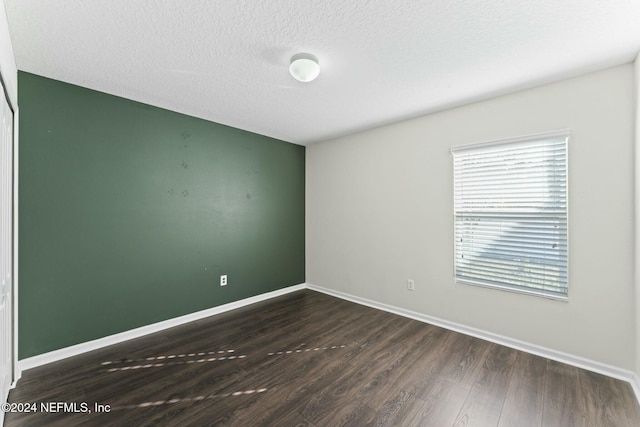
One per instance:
(333,347)
(176,359)
(189,399)
(170,356)
(190,358)
(179,362)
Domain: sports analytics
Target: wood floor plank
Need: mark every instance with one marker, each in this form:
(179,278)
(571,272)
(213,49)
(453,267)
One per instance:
(484,403)
(349,414)
(396,410)
(523,404)
(298,392)
(324,401)
(562,397)
(279,418)
(628,404)
(425,374)
(441,406)
(466,357)
(309,359)
(601,400)
(407,359)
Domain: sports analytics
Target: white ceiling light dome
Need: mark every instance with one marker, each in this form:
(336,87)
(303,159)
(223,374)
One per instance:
(304,67)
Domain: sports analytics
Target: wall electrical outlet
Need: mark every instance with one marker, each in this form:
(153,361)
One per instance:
(411,285)
(223,280)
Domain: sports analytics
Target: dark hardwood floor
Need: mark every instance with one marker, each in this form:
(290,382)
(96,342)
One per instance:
(308,359)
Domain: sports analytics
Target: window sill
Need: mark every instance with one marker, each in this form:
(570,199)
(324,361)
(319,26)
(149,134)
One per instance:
(564,298)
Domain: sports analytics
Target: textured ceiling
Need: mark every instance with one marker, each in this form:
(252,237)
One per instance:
(382,61)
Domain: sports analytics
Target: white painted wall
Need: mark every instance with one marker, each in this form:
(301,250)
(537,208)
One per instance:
(380,211)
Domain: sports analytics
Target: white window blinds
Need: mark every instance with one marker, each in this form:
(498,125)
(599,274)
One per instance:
(510,206)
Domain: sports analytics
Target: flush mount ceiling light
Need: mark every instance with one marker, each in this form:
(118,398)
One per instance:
(304,67)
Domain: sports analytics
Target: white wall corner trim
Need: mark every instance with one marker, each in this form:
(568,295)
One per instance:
(74,350)
(636,382)
(569,359)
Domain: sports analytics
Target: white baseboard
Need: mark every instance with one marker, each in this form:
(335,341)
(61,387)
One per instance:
(635,385)
(569,359)
(77,349)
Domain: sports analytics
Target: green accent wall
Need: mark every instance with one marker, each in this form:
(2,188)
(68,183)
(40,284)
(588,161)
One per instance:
(130,213)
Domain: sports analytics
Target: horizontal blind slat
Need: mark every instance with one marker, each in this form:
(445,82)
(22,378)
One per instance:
(510,205)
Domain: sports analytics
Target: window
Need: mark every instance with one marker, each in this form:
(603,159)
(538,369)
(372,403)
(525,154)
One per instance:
(510,206)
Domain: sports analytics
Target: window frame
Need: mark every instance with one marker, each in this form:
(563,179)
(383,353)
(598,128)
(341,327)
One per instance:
(523,288)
